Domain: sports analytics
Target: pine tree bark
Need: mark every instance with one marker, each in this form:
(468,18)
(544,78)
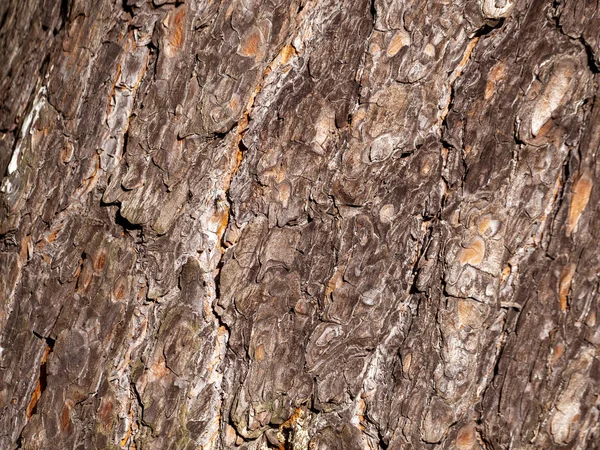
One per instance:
(250,224)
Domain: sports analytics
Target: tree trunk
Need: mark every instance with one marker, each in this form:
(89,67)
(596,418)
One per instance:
(299,224)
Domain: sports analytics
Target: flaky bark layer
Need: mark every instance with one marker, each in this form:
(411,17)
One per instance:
(299,224)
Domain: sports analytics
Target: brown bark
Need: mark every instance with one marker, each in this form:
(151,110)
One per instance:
(299,224)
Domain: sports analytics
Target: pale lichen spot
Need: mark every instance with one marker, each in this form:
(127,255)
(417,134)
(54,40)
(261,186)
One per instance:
(371,297)
(567,411)
(552,97)
(382,148)
(429,50)
(328,334)
(406,362)
(496,9)
(7,186)
(582,190)
(30,120)
(400,39)
(324,125)
(386,213)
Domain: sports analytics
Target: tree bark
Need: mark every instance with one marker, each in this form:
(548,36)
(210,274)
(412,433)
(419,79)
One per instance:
(299,224)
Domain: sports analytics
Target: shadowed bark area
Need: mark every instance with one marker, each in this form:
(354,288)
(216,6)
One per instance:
(298,224)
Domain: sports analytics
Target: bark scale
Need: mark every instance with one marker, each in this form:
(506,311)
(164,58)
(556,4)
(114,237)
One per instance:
(299,224)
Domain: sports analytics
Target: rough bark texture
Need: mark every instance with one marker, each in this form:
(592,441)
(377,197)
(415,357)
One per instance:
(299,224)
